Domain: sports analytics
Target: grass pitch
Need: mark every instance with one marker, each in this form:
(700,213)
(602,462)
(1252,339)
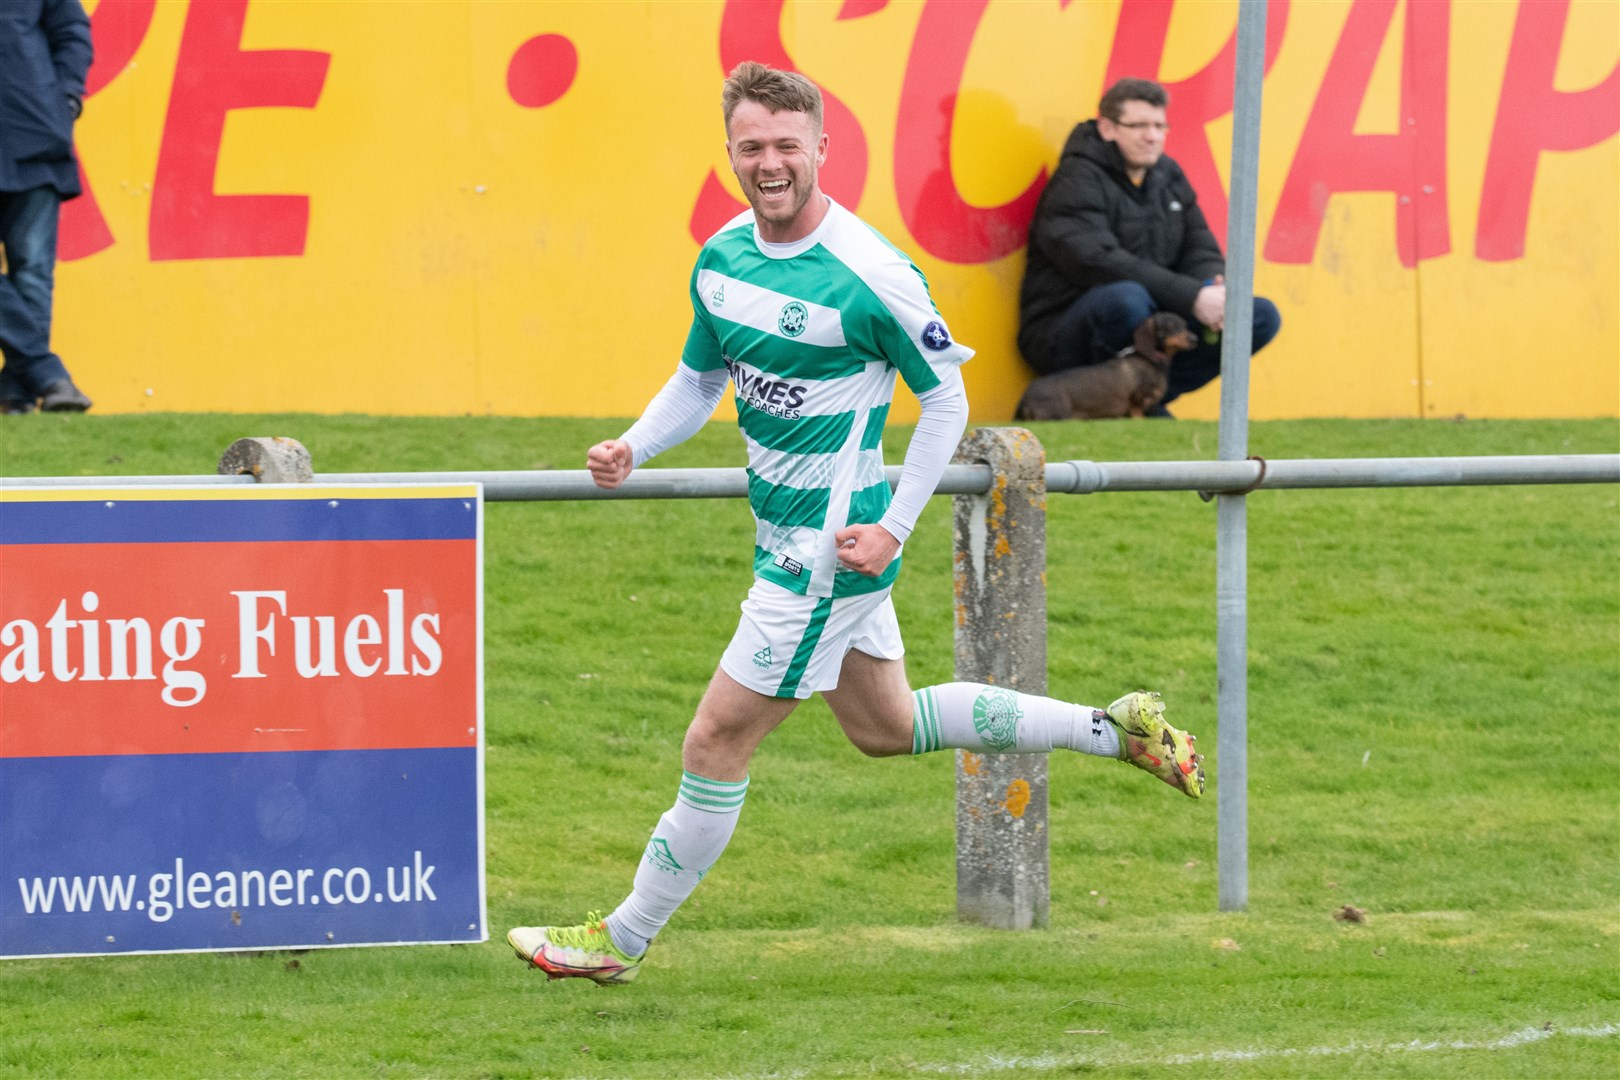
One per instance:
(1434,741)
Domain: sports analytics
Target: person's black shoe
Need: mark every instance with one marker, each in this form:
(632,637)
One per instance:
(16,406)
(1158,412)
(63,396)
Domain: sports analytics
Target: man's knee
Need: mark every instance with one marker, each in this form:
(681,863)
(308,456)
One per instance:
(877,720)
(1120,302)
(1267,321)
(31,225)
(30,245)
(873,705)
(885,741)
(1099,324)
(729,725)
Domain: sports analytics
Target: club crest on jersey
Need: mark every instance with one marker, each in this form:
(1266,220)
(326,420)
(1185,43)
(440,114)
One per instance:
(935,336)
(793,319)
(717,298)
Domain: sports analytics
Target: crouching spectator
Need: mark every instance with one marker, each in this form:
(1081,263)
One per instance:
(1118,236)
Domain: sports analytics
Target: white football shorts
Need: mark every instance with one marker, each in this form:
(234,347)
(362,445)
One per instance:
(789,645)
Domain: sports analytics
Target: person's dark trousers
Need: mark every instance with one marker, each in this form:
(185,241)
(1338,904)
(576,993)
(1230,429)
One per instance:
(28,222)
(1103,321)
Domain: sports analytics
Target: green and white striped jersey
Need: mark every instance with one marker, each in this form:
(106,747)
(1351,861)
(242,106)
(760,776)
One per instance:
(813,334)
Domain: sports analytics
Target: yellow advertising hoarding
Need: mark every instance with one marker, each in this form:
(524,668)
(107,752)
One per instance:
(447,207)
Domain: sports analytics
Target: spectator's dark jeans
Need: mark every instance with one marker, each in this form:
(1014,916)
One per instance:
(28,233)
(1102,322)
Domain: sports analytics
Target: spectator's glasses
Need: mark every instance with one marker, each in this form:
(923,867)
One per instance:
(1156,125)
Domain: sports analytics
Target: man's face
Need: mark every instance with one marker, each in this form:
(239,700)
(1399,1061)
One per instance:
(776,157)
(1139,133)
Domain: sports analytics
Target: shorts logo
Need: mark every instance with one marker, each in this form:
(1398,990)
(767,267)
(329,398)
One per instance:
(935,336)
(762,659)
(794,318)
(658,854)
(995,718)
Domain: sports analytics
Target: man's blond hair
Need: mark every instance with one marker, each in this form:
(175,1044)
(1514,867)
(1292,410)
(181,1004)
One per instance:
(777,90)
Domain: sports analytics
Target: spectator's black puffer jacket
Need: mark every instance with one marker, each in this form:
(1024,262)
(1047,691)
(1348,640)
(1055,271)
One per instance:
(1093,226)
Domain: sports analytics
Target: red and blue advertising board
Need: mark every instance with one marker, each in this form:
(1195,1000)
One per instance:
(240,717)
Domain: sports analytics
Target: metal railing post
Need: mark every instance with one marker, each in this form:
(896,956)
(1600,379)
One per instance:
(1002,866)
(1231,510)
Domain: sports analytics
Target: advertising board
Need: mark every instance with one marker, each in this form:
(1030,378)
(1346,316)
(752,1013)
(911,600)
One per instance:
(240,717)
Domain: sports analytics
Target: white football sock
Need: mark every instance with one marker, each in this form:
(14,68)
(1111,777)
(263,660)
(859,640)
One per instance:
(687,842)
(995,720)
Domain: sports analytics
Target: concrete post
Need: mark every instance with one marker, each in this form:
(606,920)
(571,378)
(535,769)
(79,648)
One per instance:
(269,461)
(1002,877)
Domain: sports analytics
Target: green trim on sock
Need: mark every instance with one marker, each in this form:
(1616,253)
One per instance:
(925,736)
(715,796)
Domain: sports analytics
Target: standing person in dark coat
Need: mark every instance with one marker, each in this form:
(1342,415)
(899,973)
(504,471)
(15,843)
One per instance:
(45,54)
(1117,236)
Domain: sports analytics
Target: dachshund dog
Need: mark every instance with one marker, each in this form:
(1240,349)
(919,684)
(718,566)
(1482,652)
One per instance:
(1127,385)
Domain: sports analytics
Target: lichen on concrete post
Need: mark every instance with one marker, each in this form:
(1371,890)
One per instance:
(1002,875)
(277,460)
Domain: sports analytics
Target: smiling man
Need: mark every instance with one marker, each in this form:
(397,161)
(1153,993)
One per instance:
(1118,236)
(811,316)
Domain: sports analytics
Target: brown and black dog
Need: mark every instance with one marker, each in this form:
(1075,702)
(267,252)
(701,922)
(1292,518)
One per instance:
(1127,385)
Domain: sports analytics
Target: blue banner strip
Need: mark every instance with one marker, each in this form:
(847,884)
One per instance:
(238,851)
(110,521)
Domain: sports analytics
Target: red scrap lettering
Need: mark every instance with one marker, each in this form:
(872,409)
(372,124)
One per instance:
(1410,164)
(213,76)
(117,29)
(940,220)
(1531,117)
(751,30)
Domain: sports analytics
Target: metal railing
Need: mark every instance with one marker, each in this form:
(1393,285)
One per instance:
(1070,477)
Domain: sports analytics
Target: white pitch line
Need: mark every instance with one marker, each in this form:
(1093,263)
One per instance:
(1510,1041)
